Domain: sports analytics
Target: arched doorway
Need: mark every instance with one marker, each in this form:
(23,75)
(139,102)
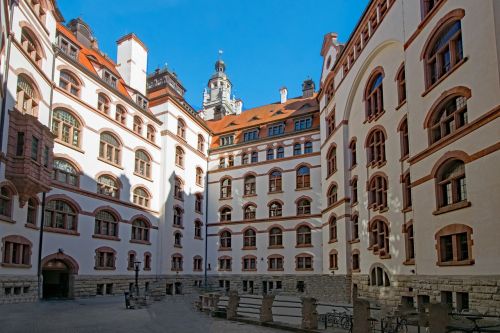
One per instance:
(58,271)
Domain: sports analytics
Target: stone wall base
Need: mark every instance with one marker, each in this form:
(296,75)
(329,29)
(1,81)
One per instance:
(481,292)
(18,289)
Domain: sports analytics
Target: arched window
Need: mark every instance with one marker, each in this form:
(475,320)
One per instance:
(308,147)
(181,128)
(27,96)
(249,263)
(280,152)
(355,260)
(297,149)
(179,156)
(103,103)
(110,148)
(352,148)
(454,245)
(177,239)
(106,224)
(405,144)
(140,230)
(332,224)
(401,82)
(270,154)
(409,244)
(451,185)
(137,127)
(31,46)
(59,214)
(275,209)
(407,202)
(5,201)
(255,157)
(142,163)
(147,261)
(249,212)
(374,100)
(304,262)
(65,172)
(178,213)
(250,183)
(376,147)
(201,143)
(333,259)
(225,263)
(69,82)
(225,214)
(151,133)
(244,159)
(377,196)
(249,238)
(303,178)
(225,188)
(379,237)
(197,229)
(444,52)
(275,181)
(108,185)
(32,211)
(275,237)
(449,116)
(225,240)
(331,159)
(198,202)
(304,235)
(177,262)
(132,257)
(303,207)
(121,115)
(141,197)
(199,176)
(379,277)
(354,190)
(66,127)
(331,195)
(355,227)
(275,262)
(197,264)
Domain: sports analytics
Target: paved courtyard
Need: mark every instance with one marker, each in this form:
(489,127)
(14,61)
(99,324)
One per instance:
(108,314)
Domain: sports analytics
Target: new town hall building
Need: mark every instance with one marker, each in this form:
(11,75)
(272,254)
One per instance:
(383,183)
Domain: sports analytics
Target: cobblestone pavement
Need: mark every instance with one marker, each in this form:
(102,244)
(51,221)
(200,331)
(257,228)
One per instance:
(108,314)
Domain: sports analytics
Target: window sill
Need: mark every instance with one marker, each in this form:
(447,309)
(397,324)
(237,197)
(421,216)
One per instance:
(249,248)
(377,164)
(354,204)
(275,269)
(406,210)
(275,192)
(249,270)
(303,245)
(354,241)
(179,166)
(177,226)
(304,269)
(409,262)
(249,195)
(356,270)
(452,207)
(61,231)
(78,149)
(331,241)
(198,212)
(442,78)
(404,158)
(147,269)
(353,167)
(178,246)
(198,238)
(379,209)
(333,268)
(110,163)
(401,104)
(224,270)
(143,177)
(176,269)
(225,249)
(374,118)
(104,268)
(331,174)
(303,188)
(31,226)
(197,270)
(275,247)
(6,219)
(226,198)
(467,262)
(9,265)
(135,241)
(113,238)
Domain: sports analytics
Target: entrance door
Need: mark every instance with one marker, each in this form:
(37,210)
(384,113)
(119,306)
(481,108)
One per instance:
(178,288)
(264,287)
(56,280)
(169,289)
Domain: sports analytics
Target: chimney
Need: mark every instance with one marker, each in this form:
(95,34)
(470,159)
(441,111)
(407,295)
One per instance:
(307,88)
(283,93)
(238,106)
(132,61)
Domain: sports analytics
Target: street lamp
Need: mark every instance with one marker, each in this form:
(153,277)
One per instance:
(137,265)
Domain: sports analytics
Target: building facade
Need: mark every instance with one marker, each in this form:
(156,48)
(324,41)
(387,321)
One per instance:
(380,185)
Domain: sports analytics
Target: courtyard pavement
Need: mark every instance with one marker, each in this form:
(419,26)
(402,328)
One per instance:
(108,314)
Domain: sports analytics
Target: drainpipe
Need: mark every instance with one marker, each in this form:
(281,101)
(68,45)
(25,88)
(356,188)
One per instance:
(206,225)
(6,78)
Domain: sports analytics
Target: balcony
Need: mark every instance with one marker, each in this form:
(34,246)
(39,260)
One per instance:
(29,155)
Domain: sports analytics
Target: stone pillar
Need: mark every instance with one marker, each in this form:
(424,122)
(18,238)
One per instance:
(309,313)
(439,317)
(361,316)
(232,305)
(266,310)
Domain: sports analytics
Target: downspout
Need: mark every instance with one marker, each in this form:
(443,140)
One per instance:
(206,226)
(40,241)
(7,66)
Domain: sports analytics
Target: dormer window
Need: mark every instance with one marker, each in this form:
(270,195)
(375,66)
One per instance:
(303,124)
(67,47)
(227,140)
(142,102)
(109,78)
(251,135)
(276,129)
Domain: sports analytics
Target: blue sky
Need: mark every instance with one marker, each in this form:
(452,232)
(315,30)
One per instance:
(267,44)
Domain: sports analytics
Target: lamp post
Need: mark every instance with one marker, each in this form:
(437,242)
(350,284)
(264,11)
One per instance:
(137,265)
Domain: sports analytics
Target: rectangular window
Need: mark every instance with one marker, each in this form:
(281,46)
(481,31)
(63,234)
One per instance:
(463,247)
(227,140)
(34,148)
(46,156)
(20,144)
(109,79)
(462,301)
(446,248)
(303,124)
(276,129)
(251,135)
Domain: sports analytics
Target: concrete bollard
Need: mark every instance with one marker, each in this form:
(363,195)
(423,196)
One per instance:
(266,310)
(361,316)
(439,317)
(309,313)
(232,305)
